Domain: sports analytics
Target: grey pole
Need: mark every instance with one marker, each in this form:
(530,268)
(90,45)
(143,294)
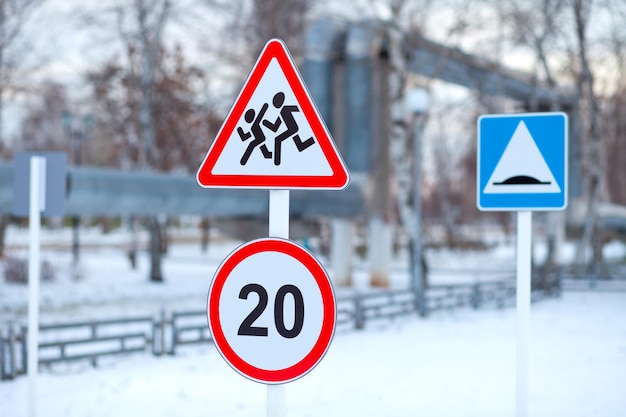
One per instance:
(74,137)
(417,102)
(417,272)
(77,137)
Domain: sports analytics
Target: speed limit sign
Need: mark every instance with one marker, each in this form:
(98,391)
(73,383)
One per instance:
(271,310)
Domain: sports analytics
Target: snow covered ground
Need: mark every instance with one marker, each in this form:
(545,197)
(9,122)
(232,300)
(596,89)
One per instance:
(110,287)
(452,364)
(458,363)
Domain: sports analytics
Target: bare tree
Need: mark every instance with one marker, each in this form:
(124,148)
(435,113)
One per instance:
(550,28)
(535,25)
(42,127)
(444,190)
(13,15)
(247,26)
(592,135)
(616,146)
(280,19)
(399,133)
(148,21)
(181,122)
(141,25)
(412,17)
(616,112)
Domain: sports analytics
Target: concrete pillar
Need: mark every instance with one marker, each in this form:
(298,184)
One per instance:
(341,252)
(324,73)
(380,251)
(367,136)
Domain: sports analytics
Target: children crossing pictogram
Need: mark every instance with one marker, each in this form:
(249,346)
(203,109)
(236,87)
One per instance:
(273,136)
(285,118)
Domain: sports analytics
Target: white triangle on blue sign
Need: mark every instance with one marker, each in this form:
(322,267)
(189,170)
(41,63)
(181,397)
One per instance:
(522,168)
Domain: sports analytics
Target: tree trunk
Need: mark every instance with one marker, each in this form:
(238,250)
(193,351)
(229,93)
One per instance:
(594,139)
(400,145)
(401,149)
(156,249)
(205,225)
(2,72)
(134,242)
(4,222)
(150,42)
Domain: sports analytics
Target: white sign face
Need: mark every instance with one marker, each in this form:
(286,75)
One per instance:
(522,168)
(271,310)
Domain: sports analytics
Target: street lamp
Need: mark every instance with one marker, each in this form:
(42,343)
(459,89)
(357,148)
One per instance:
(77,133)
(76,136)
(417,101)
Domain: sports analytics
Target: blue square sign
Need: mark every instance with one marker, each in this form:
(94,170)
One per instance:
(522,162)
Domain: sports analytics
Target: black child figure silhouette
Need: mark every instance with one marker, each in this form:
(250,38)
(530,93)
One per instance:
(291,127)
(255,130)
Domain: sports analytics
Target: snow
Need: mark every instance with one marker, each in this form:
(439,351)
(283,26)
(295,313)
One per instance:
(108,286)
(454,363)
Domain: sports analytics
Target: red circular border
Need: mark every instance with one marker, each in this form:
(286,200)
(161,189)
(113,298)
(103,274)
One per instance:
(287,247)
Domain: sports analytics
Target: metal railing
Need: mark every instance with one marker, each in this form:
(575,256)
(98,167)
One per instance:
(69,342)
(163,334)
(12,352)
(94,339)
(188,327)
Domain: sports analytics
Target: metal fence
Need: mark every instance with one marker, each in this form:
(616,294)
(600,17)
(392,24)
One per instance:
(609,277)
(165,333)
(95,339)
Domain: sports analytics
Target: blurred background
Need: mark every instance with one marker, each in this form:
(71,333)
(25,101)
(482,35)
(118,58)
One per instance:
(144,86)
(134,92)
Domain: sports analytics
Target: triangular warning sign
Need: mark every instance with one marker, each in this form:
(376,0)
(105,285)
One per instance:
(522,168)
(273,136)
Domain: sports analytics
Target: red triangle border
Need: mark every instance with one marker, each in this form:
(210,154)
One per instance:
(274,49)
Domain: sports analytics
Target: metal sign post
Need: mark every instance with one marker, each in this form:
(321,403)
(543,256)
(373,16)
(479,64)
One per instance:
(37,198)
(278,227)
(265,276)
(522,166)
(524,255)
(43,174)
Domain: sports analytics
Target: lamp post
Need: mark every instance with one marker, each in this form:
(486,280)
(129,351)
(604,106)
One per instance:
(417,102)
(77,134)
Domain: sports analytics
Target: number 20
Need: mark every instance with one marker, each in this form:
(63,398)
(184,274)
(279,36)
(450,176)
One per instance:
(247,329)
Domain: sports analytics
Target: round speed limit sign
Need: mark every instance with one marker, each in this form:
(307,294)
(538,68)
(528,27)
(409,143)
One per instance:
(271,310)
